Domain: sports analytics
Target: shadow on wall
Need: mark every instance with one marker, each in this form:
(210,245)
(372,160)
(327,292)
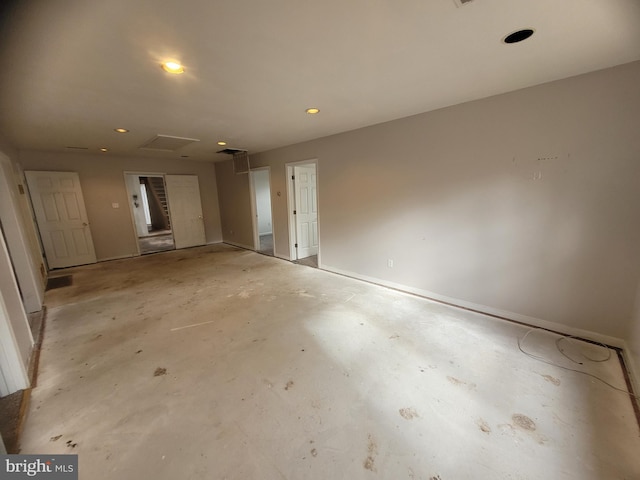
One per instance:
(513,235)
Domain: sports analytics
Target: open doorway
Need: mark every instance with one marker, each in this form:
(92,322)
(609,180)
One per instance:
(302,199)
(261,206)
(149,207)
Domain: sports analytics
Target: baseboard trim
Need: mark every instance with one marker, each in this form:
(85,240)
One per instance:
(632,368)
(486,310)
(239,245)
(119,257)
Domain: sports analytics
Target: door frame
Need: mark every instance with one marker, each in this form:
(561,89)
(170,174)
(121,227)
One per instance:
(254,209)
(31,279)
(289,169)
(13,362)
(129,196)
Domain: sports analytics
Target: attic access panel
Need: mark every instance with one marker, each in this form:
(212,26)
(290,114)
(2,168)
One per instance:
(167,143)
(240,159)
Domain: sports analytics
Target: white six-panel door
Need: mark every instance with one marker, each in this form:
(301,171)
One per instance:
(61,217)
(306,210)
(185,208)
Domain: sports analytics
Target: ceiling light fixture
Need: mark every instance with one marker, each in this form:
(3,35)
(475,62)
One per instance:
(121,130)
(104,149)
(173,67)
(312,110)
(518,35)
(222,143)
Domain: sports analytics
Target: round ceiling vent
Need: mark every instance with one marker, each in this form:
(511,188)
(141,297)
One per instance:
(518,36)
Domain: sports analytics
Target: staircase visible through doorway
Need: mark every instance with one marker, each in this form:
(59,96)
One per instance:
(156,187)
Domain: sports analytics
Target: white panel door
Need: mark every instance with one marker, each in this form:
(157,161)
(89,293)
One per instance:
(185,209)
(306,210)
(61,217)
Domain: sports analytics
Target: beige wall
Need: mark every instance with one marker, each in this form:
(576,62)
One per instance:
(525,204)
(103,183)
(235,205)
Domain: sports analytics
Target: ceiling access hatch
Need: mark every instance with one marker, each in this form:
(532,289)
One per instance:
(167,143)
(240,159)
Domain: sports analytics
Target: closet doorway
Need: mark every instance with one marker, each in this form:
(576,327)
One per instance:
(260,187)
(150,210)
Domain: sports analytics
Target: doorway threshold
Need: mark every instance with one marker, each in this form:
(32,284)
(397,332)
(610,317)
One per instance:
(311,261)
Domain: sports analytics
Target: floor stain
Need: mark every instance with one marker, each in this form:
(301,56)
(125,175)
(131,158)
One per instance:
(372,450)
(523,422)
(554,380)
(314,452)
(70,444)
(56,438)
(160,371)
(408,413)
(457,381)
(484,426)
(437,477)
(289,385)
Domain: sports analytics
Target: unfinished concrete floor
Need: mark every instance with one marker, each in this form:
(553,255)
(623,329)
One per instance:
(219,363)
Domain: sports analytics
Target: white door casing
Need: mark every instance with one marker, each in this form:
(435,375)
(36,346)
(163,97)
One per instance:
(16,342)
(306,206)
(260,191)
(61,217)
(185,208)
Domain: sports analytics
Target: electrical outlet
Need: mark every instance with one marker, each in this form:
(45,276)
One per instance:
(390,263)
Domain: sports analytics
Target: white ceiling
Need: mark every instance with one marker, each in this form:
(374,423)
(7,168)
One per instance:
(73,70)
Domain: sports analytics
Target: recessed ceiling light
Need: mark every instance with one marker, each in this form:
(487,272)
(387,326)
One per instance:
(312,110)
(121,130)
(104,149)
(173,67)
(518,36)
(222,143)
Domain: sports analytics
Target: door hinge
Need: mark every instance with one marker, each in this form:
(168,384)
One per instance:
(293,177)
(296,245)
(294,212)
